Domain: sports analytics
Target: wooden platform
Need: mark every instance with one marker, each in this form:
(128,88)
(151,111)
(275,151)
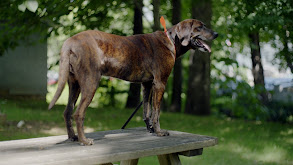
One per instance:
(126,146)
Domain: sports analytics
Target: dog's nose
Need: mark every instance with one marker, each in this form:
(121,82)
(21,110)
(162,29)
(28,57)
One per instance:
(215,35)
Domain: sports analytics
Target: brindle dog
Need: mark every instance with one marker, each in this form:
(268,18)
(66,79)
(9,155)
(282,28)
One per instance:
(145,58)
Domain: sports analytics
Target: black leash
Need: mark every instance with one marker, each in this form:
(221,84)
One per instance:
(136,109)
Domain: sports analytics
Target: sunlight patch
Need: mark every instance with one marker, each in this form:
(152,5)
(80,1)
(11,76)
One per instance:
(268,154)
(226,130)
(287,132)
(238,148)
(55,131)
(289,140)
(88,130)
(138,118)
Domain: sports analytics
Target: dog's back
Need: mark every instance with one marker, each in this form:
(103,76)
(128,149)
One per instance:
(131,58)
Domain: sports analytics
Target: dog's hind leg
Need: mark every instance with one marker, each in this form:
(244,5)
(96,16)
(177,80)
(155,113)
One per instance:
(147,106)
(74,91)
(88,88)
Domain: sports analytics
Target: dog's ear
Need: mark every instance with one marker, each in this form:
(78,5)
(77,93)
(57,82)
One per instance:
(183,31)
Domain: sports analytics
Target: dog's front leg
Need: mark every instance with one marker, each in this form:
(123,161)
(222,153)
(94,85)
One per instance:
(158,92)
(147,99)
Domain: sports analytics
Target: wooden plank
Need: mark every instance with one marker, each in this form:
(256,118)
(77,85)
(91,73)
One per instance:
(169,159)
(110,146)
(129,162)
(191,152)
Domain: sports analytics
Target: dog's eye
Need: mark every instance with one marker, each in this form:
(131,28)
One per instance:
(199,28)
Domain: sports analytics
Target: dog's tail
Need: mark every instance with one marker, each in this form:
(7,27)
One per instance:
(63,75)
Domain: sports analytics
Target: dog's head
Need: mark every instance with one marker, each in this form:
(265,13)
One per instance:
(195,32)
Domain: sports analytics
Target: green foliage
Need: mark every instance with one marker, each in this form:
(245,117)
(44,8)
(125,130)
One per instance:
(112,93)
(15,25)
(19,20)
(248,103)
(280,112)
(237,18)
(234,20)
(237,99)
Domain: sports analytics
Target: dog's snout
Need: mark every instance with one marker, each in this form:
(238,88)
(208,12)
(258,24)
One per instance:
(215,35)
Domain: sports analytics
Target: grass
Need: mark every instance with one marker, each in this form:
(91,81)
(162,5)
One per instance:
(240,142)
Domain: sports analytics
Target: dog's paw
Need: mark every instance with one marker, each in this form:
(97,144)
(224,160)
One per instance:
(74,138)
(87,142)
(151,129)
(162,133)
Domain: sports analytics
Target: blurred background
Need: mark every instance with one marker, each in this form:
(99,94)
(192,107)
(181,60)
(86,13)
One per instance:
(246,80)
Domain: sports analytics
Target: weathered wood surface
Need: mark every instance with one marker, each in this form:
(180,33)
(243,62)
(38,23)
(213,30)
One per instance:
(110,146)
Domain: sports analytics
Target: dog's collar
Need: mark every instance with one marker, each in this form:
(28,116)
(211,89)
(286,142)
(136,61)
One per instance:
(162,21)
(166,32)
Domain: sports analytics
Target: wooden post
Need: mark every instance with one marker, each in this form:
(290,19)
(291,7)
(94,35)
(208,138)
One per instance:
(129,162)
(191,152)
(169,159)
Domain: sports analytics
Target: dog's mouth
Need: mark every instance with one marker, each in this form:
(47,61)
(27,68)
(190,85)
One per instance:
(198,43)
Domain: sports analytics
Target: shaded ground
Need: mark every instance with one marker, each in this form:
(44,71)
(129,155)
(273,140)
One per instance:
(240,142)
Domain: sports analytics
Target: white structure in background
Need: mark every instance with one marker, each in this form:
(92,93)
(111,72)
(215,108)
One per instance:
(281,88)
(23,70)
(280,83)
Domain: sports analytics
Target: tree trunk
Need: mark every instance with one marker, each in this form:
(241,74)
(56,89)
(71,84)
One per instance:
(156,12)
(286,53)
(257,69)
(137,20)
(177,72)
(134,89)
(198,90)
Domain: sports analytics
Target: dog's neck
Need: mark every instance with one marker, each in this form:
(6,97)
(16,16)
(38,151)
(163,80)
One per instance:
(180,50)
(170,38)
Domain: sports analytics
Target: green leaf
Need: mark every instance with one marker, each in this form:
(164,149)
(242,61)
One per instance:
(32,5)
(22,7)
